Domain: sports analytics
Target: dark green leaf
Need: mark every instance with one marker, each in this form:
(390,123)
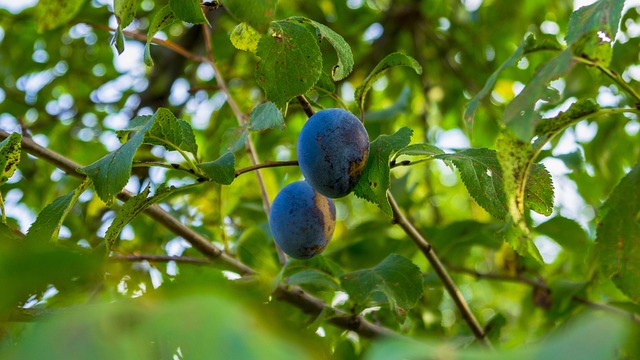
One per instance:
(397,277)
(53,13)
(562,293)
(221,170)
(111,173)
(164,17)
(290,62)
(345,56)
(494,328)
(539,190)
(602,15)
(548,128)
(132,208)
(257,13)
(375,181)
(9,156)
(520,115)
(325,84)
(400,106)
(8,233)
(118,40)
(266,116)
(189,11)
(391,60)
(567,233)
(618,235)
(245,38)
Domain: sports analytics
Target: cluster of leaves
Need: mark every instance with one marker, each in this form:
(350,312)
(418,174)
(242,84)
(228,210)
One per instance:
(383,277)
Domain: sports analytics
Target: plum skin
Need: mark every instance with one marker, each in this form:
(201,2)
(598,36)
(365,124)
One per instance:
(302,220)
(333,147)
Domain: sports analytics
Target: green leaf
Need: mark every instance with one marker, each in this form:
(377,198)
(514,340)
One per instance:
(325,84)
(47,224)
(567,233)
(315,278)
(375,181)
(257,13)
(9,156)
(420,150)
(539,190)
(125,11)
(256,249)
(400,106)
(118,40)
(345,56)
(234,139)
(290,62)
(132,208)
(167,131)
(548,128)
(221,170)
(111,173)
(266,116)
(189,11)
(391,60)
(245,38)
(520,115)
(602,15)
(618,235)
(494,328)
(8,234)
(164,17)
(51,14)
(397,277)
(562,292)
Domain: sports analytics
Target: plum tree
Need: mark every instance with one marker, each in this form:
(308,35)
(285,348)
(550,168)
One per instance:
(333,147)
(302,220)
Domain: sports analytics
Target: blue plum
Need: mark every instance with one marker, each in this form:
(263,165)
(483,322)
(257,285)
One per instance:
(333,147)
(302,220)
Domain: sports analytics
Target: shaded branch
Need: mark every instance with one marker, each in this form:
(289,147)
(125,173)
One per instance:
(266,164)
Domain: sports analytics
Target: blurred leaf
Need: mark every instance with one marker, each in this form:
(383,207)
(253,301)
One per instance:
(602,15)
(397,277)
(111,173)
(420,150)
(562,293)
(400,106)
(520,115)
(189,11)
(234,139)
(48,222)
(315,279)
(391,60)
(132,208)
(345,56)
(548,128)
(245,38)
(290,62)
(257,13)
(266,116)
(125,12)
(7,233)
(164,17)
(9,156)
(494,328)
(257,250)
(375,181)
(221,170)
(618,235)
(51,14)
(325,83)
(567,233)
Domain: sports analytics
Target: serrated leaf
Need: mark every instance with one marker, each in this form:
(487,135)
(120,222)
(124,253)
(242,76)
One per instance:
(245,38)
(290,62)
(618,235)
(397,277)
(257,13)
(567,233)
(520,115)
(375,181)
(9,156)
(420,150)
(221,170)
(164,17)
(345,56)
(51,14)
(539,190)
(602,15)
(132,208)
(47,224)
(266,116)
(189,11)
(391,60)
(111,173)
(125,11)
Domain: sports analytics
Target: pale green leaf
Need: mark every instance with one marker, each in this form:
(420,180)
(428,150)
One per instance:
(397,277)
(375,181)
(290,62)
(314,278)
(234,139)
(164,17)
(257,13)
(245,38)
(567,233)
(51,14)
(420,150)
(618,235)
(125,11)
(189,11)
(266,116)
(602,15)
(391,60)
(221,170)
(9,156)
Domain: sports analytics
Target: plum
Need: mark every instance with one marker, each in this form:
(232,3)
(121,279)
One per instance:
(333,147)
(302,220)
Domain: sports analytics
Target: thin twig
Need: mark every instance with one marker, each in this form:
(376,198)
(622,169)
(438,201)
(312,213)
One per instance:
(293,295)
(440,270)
(305,105)
(266,164)
(161,258)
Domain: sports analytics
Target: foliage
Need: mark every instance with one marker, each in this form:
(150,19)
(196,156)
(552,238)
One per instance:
(498,206)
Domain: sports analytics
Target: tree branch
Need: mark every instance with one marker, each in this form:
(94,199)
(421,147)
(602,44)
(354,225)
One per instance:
(266,164)
(292,295)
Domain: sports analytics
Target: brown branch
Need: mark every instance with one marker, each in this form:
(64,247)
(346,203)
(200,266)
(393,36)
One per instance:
(292,295)
(306,106)
(266,164)
(161,258)
(440,270)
